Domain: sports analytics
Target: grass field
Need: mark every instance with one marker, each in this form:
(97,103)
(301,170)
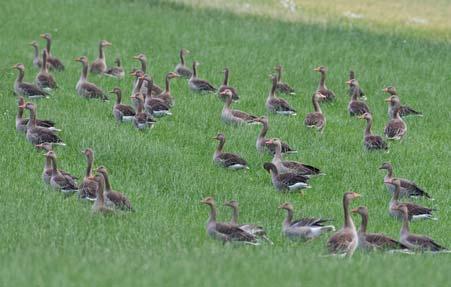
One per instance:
(46,240)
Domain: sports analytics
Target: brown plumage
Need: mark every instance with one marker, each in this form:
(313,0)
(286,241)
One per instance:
(152,105)
(166,94)
(356,107)
(155,89)
(262,142)
(99,205)
(322,88)
(278,105)
(44,80)
(88,188)
(225,86)
(25,89)
(54,62)
(21,123)
(59,181)
(98,66)
(230,116)
(199,85)
(408,187)
(181,69)
(85,88)
(48,167)
(282,87)
(404,110)
(396,128)
(228,160)
(352,89)
(122,112)
(116,71)
(370,141)
(37,62)
(37,134)
(316,119)
(287,182)
(141,120)
(113,198)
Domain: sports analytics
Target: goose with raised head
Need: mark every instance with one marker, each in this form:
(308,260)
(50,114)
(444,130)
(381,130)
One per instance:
(156,90)
(166,94)
(44,80)
(225,86)
(25,89)
(322,88)
(59,181)
(286,182)
(37,134)
(48,167)
(352,88)
(408,187)
(85,88)
(356,107)
(116,71)
(37,62)
(262,142)
(21,122)
(403,109)
(142,120)
(396,128)
(282,87)
(122,112)
(98,66)
(316,119)
(227,160)
(230,116)
(199,85)
(113,198)
(88,188)
(154,106)
(278,105)
(181,69)
(370,141)
(54,62)
(99,205)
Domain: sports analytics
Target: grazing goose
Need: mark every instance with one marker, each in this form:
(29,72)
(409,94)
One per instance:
(225,232)
(37,62)
(370,141)
(416,211)
(345,240)
(282,87)
(21,123)
(278,105)
(289,182)
(374,241)
(198,85)
(155,106)
(289,166)
(253,229)
(396,127)
(181,69)
(262,142)
(166,94)
(99,64)
(85,88)
(403,109)
(113,198)
(99,205)
(54,63)
(228,160)
(416,242)
(58,180)
(156,90)
(37,134)
(88,188)
(316,119)
(408,187)
(117,71)
(225,86)
(305,228)
(356,107)
(352,88)
(48,167)
(230,116)
(24,89)
(44,80)
(141,120)
(322,88)
(122,112)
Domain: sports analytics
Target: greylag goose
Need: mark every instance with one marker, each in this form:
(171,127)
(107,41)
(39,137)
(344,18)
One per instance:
(113,198)
(44,80)
(198,85)
(21,123)
(352,88)
(37,134)
(345,240)
(166,94)
(25,89)
(356,107)
(99,205)
(122,112)
(416,211)
(322,88)
(54,63)
(37,62)
(58,180)
(403,109)
(117,71)
(48,167)
(230,116)
(225,159)
(282,87)
(225,86)
(88,188)
(141,120)
(98,66)
(181,69)
(278,105)
(138,88)
(289,166)
(225,232)
(253,229)
(396,128)
(154,106)
(370,141)
(289,182)
(262,143)
(416,241)
(156,90)
(305,228)
(374,241)
(85,88)
(316,119)
(408,187)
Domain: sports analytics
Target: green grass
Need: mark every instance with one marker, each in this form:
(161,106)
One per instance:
(46,240)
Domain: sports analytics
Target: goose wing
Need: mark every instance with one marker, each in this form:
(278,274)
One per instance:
(230,159)
(119,200)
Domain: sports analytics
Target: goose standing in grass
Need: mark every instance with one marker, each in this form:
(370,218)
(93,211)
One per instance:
(282,87)
(99,205)
(54,62)
(25,89)
(416,211)
(88,188)
(21,123)
(141,120)
(58,180)
(154,106)
(227,160)
(416,242)
(225,86)
(408,187)
(122,112)
(356,107)
(156,90)
(44,80)
(37,62)
(316,119)
(352,88)
(403,109)
(370,141)
(262,142)
(198,85)
(48,167)
(230,116)
(374,241)
(345,240)
(278,105)
(181,69)
(117,71)
(305,228)
(166,94)
(289,182)
(113,198)
(322,88)
(85,88)
(37,134)
(396,128)
(225,232)
(98,66)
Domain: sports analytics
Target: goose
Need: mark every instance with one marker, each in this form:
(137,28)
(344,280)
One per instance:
(396,128)
(403,109)
(262,143)
(370,141)
(48,167)
(408,187)
(113,198)
(37,134)
(198,85)
(21,123)
(181,69)
(122,112)
(117,71)
(85,88)
(44,80)
(230,116)
(278,105)
(155,106)
(141,120)
(356,107)
(98,66)
(227,160)
(305,228)
(37,62)
(352,88)
(282,87)
(25,89)
(156,90)
(225,232)
(166,94)
(289,182)
(225,86)
(316,119)
(322,88)
(138,88)
(416,211)
(99,205)
(59,181)
(88,188)
(54,63)
(345,241)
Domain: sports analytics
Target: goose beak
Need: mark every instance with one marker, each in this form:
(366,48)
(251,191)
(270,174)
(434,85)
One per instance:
(77,59)
(354,210)
(42,36)
(387,100)
(316,69)
(357,195)
(348,82)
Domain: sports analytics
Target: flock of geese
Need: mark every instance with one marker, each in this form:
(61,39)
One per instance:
(149,102)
